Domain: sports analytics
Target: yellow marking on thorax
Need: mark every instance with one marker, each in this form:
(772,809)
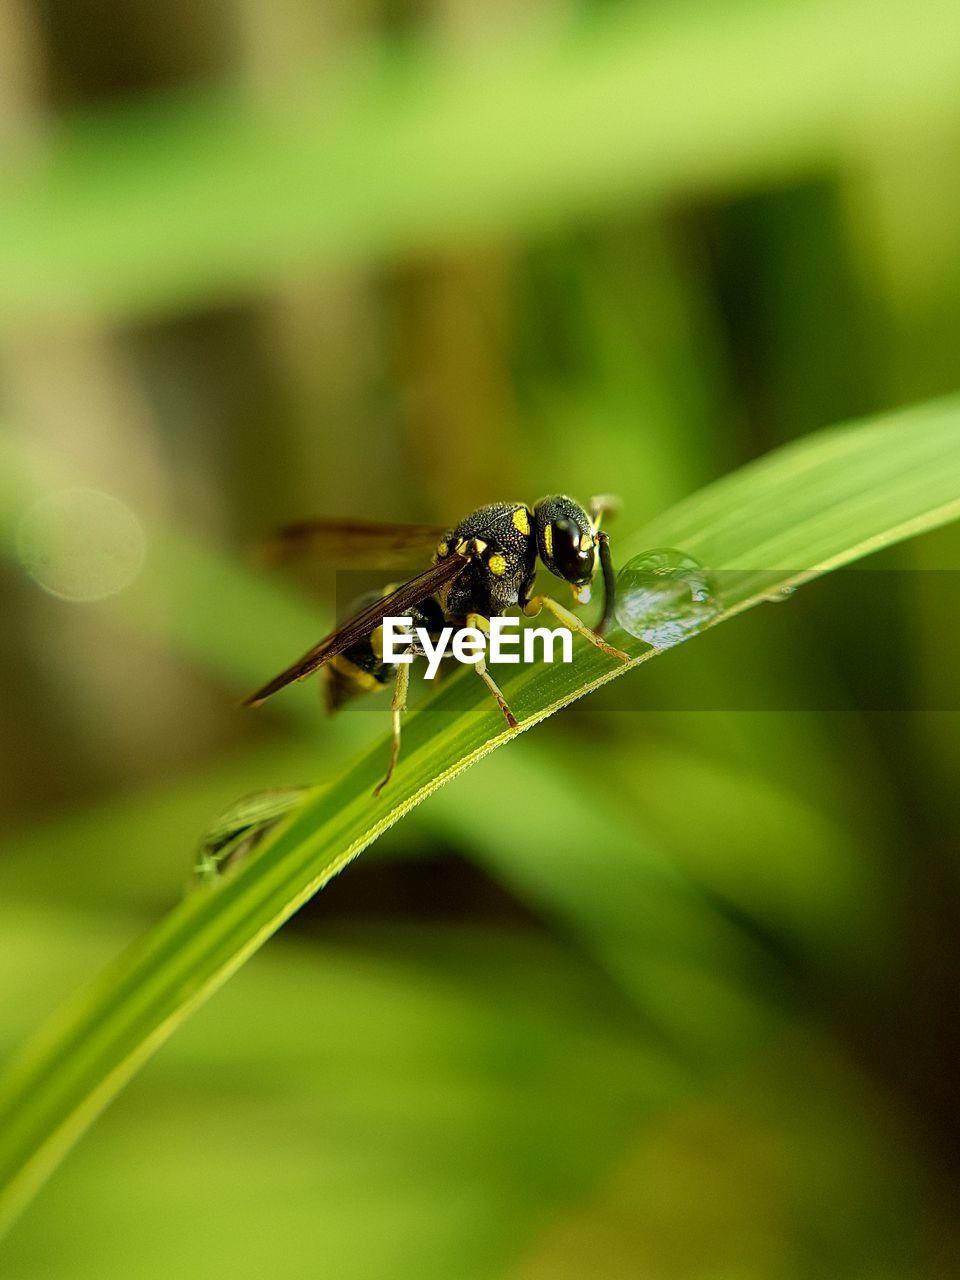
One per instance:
(497,565)
(442,550)
(548,539)
(521,521)
(470,545)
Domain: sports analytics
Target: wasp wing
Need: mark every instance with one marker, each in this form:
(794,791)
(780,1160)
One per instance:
(372,542)
(367,620)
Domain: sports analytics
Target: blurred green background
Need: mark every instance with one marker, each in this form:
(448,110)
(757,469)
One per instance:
(395,259)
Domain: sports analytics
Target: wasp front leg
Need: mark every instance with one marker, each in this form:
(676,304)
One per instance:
(573,623)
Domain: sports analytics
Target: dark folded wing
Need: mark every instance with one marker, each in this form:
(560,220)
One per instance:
(373,543)
(367,620)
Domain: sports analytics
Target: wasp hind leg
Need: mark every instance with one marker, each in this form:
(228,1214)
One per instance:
(401,684)
(571,621)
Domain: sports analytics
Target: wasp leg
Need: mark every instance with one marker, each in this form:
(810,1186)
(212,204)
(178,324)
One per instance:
(481,669)
(609,583)
(571,620)
(603,504)
(401,684)
(480,666)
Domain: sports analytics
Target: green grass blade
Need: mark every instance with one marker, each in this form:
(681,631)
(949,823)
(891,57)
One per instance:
(215,196)
(408,1128)
(806,509)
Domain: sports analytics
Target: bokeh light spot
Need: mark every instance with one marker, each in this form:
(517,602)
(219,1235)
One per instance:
(81,544)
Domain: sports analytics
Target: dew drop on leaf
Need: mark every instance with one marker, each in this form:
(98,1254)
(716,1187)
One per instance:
(664,597)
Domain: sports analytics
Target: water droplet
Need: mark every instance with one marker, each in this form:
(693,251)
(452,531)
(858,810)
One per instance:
(81,544)
(240,828)
(665,597)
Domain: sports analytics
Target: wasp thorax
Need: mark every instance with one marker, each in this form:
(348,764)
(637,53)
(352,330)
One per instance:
(565,539)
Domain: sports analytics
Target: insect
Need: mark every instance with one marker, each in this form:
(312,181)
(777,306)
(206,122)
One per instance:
(240,828)
(481,567)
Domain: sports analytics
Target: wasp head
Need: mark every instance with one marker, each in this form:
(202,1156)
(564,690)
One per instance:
(566,541)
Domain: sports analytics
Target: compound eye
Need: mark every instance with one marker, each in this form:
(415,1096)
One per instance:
(572,552)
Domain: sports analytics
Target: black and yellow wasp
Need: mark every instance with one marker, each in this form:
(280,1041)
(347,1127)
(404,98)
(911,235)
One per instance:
(481,568)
